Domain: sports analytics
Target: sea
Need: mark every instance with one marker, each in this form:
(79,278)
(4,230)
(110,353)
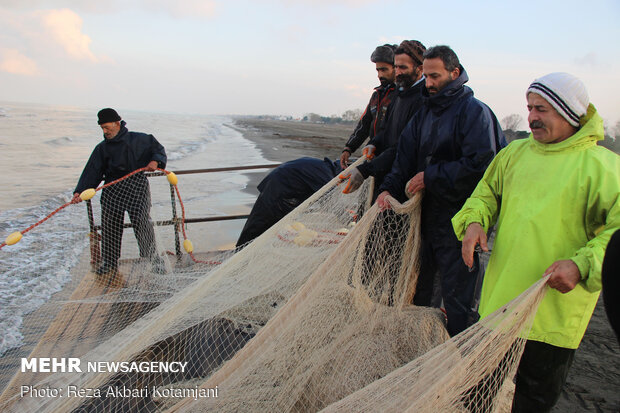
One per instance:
(43,149)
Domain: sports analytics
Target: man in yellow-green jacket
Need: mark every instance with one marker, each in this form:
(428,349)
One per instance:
(556,200)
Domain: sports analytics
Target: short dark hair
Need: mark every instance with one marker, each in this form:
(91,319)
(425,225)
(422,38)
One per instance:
(384,54)
(446,54)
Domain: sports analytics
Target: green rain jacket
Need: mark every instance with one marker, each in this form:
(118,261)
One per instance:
(551,202)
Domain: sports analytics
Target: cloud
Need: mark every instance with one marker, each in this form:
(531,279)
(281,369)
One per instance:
(589,59)
(314,3)
(196,9)
(295,33)
(392,39)
(65,26)
(183,9)
(12,61)
(357,91)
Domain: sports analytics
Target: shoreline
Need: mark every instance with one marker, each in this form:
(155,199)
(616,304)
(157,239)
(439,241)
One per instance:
(282,141)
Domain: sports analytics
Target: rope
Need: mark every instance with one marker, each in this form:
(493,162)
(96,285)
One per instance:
(114,183)
(60,208)
(191,254)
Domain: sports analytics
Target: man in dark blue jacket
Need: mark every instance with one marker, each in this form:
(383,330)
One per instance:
(120,153)
(444,150)
(283,190)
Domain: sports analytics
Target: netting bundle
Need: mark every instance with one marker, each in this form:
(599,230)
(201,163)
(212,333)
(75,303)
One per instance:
(313,314)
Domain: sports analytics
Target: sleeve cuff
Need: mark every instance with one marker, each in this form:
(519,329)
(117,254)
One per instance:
(461,221)
(364,169)
(583,264)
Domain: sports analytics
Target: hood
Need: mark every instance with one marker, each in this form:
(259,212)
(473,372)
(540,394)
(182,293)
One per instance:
(450,93)
(121,134)
(590,132)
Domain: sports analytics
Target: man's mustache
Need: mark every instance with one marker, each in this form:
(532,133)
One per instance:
(536,124)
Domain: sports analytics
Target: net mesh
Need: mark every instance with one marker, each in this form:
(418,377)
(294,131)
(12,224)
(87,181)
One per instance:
(314,314)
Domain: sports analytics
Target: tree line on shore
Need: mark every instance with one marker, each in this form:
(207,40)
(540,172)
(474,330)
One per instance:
(511,125)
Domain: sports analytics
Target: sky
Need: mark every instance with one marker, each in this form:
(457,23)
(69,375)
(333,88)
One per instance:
(281,57)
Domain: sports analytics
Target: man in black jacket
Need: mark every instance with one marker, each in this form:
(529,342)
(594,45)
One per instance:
(444,150)
(120,153)
(382,147)
(283,189)
(372,119)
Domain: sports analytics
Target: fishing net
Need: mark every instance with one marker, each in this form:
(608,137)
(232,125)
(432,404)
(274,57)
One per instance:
(313,314)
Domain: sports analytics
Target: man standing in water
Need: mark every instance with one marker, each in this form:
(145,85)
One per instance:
(120,153)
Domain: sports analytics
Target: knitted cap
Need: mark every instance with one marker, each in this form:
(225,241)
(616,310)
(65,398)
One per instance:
(107,115)
(566,93)
(384,54)
(413,49)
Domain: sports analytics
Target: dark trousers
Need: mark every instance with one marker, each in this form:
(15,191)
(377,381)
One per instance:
(267,210)
(541,374)
(383,255)
(133,196)
(611,282)
(540,377)
(459,286)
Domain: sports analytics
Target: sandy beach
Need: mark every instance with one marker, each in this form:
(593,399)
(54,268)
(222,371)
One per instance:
(594,379)
(281,141)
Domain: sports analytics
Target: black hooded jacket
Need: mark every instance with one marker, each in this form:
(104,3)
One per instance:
(114,158)
(452,138)
(403,107)
(284,189)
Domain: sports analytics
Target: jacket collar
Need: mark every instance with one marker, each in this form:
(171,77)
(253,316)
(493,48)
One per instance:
(446,96)
(382,88)
(121,134)
(589,133)
(414,89)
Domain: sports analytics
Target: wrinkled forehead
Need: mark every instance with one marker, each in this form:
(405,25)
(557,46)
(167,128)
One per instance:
(536,100)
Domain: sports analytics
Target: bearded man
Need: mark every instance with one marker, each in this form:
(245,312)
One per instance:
(382,147)
(444,150)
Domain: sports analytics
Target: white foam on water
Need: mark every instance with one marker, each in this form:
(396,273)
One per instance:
(40,264)
(59,142)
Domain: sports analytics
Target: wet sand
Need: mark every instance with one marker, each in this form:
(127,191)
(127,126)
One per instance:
(282,141)
(593,382)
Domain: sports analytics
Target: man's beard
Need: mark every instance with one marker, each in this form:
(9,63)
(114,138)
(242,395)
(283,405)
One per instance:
(384,81)
(439,88)
(405,80)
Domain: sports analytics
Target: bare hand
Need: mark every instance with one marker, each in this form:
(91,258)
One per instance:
(344,159)
(473,236)
(76,198)
(151,166)
(382,202)
(564,275)
(415,184)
